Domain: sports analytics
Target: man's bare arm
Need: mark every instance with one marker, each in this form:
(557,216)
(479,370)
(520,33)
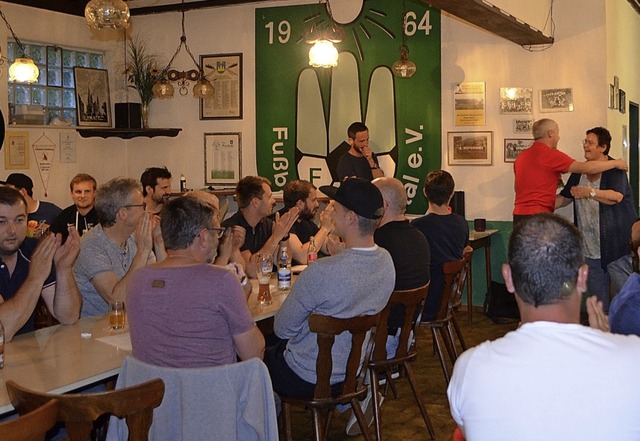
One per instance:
(594,167)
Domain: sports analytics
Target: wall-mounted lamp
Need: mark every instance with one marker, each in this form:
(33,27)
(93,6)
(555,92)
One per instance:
(404,68)
(23,69)
(112,14)
(203,87)
(323,53)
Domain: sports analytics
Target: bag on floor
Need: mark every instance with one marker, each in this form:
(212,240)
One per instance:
(500,305)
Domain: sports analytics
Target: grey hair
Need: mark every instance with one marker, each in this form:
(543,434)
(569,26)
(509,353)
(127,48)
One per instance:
(112,196)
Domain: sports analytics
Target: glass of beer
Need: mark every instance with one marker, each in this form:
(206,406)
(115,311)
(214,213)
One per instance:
(116,316)
(264,268)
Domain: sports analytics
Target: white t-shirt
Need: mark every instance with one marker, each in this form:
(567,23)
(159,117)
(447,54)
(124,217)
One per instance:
(549,381)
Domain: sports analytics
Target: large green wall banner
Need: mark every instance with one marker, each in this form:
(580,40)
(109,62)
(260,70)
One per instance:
(302,113)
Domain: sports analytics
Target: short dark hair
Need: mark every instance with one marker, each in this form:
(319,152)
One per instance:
(604,138)
(296,190)
(182,219)
(112,196)
(248,188)
(151,175)
(10,196)
(438,187)
(83,177)
(545,254)
(356,128)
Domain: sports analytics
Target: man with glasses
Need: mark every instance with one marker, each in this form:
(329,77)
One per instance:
(603,210)
(538,169)
(114,249)
(208,324)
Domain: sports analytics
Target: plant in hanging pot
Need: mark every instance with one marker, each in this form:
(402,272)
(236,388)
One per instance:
(142,73)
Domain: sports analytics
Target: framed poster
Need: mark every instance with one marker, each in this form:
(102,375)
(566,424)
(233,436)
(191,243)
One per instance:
(556,100)
(16,152)
(93,105)
(514,146)
(622,106)
(470,148)
(523,125)
(469,104)
(225,73)
(222,158)
(516,100)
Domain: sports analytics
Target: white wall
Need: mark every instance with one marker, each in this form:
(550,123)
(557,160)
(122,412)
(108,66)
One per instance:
(468,54)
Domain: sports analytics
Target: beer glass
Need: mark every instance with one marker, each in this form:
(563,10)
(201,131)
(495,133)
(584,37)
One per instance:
(116,316)
(264,268)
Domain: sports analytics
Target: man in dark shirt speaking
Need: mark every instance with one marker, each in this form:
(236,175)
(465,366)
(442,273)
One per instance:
(359,161)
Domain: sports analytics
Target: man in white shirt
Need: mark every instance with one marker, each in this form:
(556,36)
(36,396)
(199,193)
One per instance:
(552,378)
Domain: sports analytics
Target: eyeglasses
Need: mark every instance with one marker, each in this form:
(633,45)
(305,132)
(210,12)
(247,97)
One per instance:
(218,231)
(142,205)
(589,142)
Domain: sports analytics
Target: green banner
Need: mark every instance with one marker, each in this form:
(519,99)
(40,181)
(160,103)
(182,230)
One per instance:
(302,113)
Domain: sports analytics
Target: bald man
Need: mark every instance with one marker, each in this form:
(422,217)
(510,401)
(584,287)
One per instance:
(538,170)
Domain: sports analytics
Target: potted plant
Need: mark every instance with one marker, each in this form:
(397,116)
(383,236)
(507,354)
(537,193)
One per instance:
(142,73)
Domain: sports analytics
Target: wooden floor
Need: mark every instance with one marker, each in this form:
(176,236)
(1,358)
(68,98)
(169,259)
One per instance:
(401,419)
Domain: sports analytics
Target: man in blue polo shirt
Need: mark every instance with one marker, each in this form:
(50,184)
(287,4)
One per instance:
(26,270)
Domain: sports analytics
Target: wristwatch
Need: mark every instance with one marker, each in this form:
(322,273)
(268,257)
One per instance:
(592,193)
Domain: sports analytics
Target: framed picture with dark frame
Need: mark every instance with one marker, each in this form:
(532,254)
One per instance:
(222,158)
(622,106)
(225,73)
(93,103)
(470,148)
(514,146)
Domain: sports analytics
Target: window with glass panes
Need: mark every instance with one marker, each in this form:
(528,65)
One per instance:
(55,89)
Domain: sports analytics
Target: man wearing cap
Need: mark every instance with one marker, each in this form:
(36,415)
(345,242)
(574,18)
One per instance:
(43,213)
(358,281)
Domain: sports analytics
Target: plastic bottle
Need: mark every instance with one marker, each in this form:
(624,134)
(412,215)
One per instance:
(312,254)
(284,269)
(1,345)
(183,184)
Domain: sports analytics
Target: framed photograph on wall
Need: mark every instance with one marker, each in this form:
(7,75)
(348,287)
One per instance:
(523,125)
(225,73)
(16,150)
(222,158)
(469,148)
(516,100)
(93,104)
(556,100)
(612,96)
(622,106)
(514,146)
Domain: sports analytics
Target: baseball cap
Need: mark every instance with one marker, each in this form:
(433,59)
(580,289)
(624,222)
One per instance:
(19,180)
(358,195)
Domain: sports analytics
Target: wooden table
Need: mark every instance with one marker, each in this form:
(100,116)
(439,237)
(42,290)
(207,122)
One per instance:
(63,358)
(477,240)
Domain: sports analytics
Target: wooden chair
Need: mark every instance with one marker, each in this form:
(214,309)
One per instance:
(456,298)
(354,388)
(32,426)
(443,322)
(413,302)
(79,411)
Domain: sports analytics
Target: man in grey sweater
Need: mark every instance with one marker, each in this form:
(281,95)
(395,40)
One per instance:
(355,282)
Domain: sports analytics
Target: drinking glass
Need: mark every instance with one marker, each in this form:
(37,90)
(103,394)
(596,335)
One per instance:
(264,268)
(116,315)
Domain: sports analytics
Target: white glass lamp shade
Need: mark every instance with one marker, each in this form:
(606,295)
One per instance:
(203,89)
(323,54)
(24,70)
(163,89)
(107,14)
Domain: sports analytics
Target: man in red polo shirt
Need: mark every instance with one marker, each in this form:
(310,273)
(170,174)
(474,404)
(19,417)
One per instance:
(538,169)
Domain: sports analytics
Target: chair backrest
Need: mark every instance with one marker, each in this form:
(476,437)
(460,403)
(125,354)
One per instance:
(452,271)
(461,279)
(32,426)
(327,328)
(413,302)
(79,411)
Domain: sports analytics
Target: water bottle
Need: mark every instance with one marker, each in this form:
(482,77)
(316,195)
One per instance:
(312,254)
(183,184)
(1,346)
(284,270)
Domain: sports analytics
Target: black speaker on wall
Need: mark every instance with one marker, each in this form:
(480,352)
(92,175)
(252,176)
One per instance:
(457,203)
(128,116)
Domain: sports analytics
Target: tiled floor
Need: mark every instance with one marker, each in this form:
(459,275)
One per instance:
(401,419)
